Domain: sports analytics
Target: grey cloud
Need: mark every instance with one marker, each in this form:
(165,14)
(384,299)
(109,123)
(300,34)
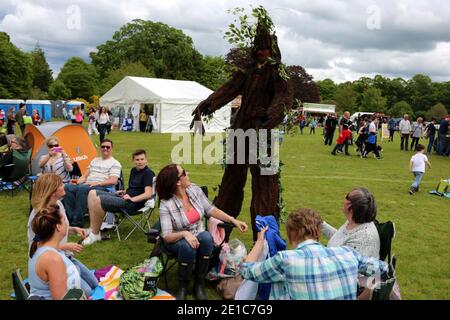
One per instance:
(314,34)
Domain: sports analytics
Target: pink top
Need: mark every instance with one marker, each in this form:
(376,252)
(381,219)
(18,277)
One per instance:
(193,216)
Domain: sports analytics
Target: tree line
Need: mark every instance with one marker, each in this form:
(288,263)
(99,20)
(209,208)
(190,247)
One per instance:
(418,97)
(154,49)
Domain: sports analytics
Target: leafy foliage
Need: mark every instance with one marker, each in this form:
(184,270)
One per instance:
(79,77)
(438,111)
(373,101)
(163,50)
(305,89)
(41,72)
(400,108)
(59,91)
(15,70)
(243,29)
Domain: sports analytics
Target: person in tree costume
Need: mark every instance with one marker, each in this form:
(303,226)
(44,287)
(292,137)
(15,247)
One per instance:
(265,96)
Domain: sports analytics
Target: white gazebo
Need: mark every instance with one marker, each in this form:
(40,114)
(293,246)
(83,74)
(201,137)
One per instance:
(169,103)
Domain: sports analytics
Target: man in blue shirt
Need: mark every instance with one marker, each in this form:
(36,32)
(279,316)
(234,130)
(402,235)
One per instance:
(392,124)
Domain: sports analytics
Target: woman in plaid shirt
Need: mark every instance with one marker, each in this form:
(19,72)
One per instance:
(181,210)
(311,271)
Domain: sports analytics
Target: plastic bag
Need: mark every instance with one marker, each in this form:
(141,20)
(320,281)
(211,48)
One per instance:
(231,257)
(139,282)
(248,290)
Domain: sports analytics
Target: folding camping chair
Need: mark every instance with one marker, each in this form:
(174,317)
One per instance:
(19,178)
(168,259)
(386,231)
(143,222)
(21,290)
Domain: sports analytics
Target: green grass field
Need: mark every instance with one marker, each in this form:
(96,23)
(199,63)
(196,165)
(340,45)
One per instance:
(311,178)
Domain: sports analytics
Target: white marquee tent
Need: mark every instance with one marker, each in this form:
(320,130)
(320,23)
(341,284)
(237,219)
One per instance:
(170,102)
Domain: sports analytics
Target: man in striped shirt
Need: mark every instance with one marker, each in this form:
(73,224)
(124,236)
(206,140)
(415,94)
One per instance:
(102,173)
(311,271)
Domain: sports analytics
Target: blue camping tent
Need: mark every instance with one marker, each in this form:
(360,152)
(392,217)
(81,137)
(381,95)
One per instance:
(44,107)
(5,104)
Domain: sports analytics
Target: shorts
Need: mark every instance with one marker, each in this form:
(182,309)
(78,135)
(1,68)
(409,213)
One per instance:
(113,203)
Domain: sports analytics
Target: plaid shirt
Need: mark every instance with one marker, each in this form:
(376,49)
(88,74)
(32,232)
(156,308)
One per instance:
(173,218)
(313,272)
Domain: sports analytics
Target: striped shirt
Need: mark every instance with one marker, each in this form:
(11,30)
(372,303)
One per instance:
(173,218)
(313,272)
(58,168)
(100,170)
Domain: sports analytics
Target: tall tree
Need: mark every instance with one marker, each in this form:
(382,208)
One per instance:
(166,51)
(401,108)
(214,72)
(305,89)
(135,69)
(42,74)
(15,70)
(359,86)
(373,101)
(79,77)
(345,98)
(420,92)
(59,91)
(327,89)
(438,111)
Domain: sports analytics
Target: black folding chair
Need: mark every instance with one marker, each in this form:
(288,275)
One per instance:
(168,259)
(21,290)
(386,231)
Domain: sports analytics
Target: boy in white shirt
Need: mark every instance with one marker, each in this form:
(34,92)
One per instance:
(417,167)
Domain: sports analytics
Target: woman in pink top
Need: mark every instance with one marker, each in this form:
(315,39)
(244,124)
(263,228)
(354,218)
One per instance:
(181,210)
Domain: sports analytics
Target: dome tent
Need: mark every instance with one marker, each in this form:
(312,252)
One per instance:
(73,138)
(171,103)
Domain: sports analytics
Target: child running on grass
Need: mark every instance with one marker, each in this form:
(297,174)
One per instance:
(342,140)
(417,167)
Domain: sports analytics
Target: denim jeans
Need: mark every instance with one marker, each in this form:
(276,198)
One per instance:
(404,141)
(185,253)
(88,279)
(75,202)
(417,178)
(102,131)
(441,144)
(430,144)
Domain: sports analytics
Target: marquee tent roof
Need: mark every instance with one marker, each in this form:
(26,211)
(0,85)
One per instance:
(152,90)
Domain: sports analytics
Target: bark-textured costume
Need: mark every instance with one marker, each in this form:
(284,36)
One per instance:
(265,96)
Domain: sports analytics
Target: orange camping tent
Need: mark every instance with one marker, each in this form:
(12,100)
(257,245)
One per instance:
(73,138)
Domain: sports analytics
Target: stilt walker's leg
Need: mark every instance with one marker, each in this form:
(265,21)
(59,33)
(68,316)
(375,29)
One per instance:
(231,193)
(265,194)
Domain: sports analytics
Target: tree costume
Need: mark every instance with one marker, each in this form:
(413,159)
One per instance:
(265,96)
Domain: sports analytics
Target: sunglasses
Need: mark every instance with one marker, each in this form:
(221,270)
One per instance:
(53,145)
(183,174)
(105,147)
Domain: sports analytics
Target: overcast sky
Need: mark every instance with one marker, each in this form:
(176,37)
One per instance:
(341,40)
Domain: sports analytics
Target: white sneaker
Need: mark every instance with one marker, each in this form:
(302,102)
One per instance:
(92,238)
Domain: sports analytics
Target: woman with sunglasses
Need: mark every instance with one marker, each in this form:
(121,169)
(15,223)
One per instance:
(181,210)
(56,161)
(359,231)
